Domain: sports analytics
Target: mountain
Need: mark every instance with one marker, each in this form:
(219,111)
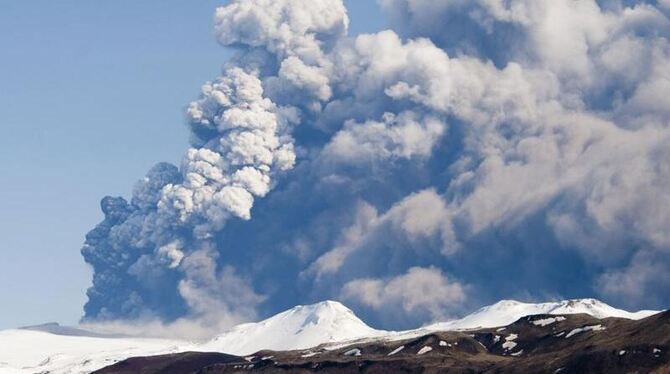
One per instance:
(59,349)
(545,343)
(301,327)
(505,312)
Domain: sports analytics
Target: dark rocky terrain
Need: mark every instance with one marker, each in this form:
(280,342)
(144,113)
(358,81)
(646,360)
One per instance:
(534,344)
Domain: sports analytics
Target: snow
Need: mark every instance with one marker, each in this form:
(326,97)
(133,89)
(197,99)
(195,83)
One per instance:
(58,350)
(509,342)
(443,343)
(506,312)
(548,321)
(425,349)
(396,350)
(517,354)
(301,327)
(509,345)
(585,328)
(502,313)
(55,328)
(30,351)
(70,350)
(622,352)
(353,352)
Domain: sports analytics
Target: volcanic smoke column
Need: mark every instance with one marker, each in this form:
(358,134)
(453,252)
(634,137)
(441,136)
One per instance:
(155,256)
(240,140)
(470,138)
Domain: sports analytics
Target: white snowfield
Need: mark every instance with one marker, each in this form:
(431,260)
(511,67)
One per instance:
(27,351)
(60,350)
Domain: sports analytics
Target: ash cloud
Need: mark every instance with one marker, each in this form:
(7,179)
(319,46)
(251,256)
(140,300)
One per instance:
(495,149)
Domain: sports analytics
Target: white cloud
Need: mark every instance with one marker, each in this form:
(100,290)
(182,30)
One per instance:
(404,136)
(285,27)
(635,284)
(173,253)
(419,290)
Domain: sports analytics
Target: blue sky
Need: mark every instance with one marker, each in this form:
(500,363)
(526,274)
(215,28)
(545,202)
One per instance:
(92,95)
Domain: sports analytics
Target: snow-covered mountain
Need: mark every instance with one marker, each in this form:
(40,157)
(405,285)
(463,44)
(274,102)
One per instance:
(301,327)
(505,312)
(57,349)
(24,351)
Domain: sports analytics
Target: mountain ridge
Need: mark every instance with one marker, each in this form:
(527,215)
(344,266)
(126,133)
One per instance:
(507,311)
(328,324)
(543,343)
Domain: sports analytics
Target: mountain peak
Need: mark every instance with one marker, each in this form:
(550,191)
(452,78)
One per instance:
(300,327)
(327,306)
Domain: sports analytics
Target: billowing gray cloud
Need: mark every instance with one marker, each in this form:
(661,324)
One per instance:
(420,291)
(492,149)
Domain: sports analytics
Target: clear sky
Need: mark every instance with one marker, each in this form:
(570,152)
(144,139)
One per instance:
(91,95)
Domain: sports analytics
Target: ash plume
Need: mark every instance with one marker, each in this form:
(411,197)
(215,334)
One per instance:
(491,149)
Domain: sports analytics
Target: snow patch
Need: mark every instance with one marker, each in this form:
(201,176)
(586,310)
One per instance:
(548,321)
(509,343)
(353,352)
(396,350)
(425,349)
(585,328)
